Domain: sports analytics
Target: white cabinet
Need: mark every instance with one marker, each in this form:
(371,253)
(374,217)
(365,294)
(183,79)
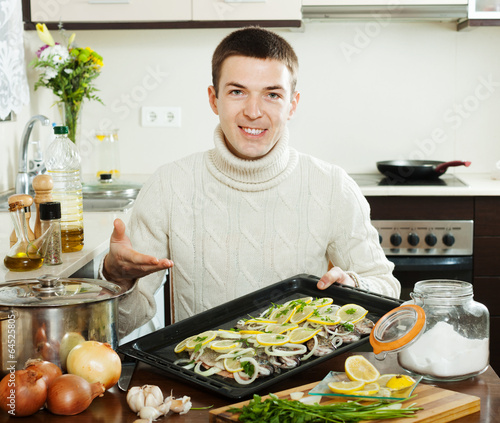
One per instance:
(110,10)
(484,9)
(246,10)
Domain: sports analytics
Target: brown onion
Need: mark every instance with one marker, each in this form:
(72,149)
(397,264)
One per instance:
(23,392)
(95,362)
(71,394)
(49,370)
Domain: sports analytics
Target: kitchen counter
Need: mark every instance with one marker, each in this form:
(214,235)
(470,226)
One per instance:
(478,184)
(97,230)
(113,408)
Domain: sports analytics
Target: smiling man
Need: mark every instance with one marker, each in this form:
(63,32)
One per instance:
(250,212)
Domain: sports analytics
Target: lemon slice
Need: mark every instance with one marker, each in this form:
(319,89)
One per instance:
(268,339)
(368,390)
(276,328)
(301,335)
(398,382)
(343,387)
(360,369)
(201,339)
(232,365)
(322,302)
(351,313)
(324,319)
(303,314)
(224,346)
(228,334)
(181,346)
(383,379)
(250,332)
(283,314)
(260,320)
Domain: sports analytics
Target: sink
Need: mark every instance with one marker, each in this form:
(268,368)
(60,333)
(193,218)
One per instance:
(90,204)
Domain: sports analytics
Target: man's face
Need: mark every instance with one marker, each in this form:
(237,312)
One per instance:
(254,103)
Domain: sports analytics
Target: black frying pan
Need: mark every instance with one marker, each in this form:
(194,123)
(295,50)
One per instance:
(416,169)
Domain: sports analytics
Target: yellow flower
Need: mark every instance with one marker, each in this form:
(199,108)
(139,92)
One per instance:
(71,39)
(44,34)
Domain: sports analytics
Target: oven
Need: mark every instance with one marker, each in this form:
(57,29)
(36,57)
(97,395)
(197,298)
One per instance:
(425,236)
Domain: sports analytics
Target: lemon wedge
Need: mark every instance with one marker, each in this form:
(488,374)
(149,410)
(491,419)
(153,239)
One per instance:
(358,368)
(301,335)
(351,313)
(302,314)
(283,314)
(344,387)
(201,339)
(399,382)
(368,390)
(268,339)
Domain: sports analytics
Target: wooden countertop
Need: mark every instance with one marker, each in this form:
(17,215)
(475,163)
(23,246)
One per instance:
(113,408)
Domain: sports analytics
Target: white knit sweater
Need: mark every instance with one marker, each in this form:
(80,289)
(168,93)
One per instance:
(232,226)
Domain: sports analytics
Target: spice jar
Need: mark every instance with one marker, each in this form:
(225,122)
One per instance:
(442,334)
(50,220)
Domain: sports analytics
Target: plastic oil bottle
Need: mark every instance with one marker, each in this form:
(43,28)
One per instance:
(63,165)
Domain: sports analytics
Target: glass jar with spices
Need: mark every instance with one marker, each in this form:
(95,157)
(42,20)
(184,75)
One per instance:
(442,334)
(50,220)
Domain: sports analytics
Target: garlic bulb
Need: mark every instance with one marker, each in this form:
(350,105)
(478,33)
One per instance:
(144,396)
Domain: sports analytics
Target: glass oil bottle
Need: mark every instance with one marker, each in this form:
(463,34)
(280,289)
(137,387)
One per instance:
(24,255)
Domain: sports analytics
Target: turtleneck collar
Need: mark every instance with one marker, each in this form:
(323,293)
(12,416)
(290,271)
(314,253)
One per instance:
(251,175)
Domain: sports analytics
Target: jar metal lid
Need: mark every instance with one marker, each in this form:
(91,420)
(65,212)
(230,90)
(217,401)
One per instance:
(397,328)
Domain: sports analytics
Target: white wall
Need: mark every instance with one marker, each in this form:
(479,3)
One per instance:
(369,91)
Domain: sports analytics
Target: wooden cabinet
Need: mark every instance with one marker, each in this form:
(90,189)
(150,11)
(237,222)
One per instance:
(487,266)
(157,14)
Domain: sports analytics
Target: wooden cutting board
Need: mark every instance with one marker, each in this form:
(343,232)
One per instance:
(439,405)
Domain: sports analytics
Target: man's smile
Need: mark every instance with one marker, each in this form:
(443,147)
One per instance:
(252,131)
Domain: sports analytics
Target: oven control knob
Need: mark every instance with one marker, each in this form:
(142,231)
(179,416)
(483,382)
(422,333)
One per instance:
(431,240)
(396,239)
(448,240)
(413,239)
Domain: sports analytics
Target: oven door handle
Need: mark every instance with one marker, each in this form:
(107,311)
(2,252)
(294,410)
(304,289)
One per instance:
(432,263)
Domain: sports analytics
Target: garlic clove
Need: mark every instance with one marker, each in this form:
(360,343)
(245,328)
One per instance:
(181,405)
(150,413)
(135,399)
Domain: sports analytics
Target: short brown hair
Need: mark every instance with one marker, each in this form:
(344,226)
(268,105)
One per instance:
(254,42)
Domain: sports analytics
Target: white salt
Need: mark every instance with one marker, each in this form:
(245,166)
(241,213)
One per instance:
(443,353)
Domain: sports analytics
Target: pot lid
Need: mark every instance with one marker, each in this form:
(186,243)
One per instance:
(397,329)
(53,291)
(114,188)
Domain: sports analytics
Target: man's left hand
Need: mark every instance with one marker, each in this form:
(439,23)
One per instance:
(335,274)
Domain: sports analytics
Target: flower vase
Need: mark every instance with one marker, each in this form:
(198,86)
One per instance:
(71,117)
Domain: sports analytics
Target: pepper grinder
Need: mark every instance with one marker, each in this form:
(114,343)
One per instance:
(26,201)
(42,184)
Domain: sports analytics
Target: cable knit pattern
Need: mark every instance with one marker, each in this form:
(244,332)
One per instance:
(229,233)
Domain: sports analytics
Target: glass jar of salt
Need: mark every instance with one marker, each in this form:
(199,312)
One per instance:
(442,334)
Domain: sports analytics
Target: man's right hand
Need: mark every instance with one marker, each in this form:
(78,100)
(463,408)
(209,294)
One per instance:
(123,264)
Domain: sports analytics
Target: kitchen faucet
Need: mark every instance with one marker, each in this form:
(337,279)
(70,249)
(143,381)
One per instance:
(23,177)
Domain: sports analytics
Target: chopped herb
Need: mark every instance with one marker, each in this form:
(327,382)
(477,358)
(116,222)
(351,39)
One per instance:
(350,311)
(197,347)
(348,326)
(248,368)
(277,410)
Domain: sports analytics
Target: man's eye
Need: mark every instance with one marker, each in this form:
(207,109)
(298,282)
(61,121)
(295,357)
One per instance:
(236,92)
(274,95)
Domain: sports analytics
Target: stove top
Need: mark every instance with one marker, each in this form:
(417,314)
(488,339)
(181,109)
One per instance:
(376,179)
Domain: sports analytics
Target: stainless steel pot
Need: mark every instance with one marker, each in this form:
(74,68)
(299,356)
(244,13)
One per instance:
(46,317)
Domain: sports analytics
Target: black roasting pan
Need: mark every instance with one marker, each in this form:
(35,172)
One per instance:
(157,348)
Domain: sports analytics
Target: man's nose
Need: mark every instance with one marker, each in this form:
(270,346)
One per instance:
(253,107)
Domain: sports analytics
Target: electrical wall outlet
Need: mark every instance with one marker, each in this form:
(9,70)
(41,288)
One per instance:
(161,116)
